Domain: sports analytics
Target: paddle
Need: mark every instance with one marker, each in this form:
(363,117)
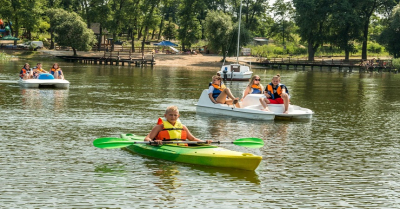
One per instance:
(112,143)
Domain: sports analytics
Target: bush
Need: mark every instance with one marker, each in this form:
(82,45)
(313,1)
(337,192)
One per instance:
(4,56)
(374,47)
(396,63)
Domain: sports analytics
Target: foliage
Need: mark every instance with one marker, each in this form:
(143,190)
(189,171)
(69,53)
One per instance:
(170,30)
(4,56)
(71,30)
(190,27)
(390,36)
(396,63)
(218,31)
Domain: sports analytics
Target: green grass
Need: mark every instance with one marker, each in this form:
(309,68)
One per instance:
(4,56)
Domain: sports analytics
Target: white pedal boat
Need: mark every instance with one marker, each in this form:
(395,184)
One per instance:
(236,72)
(205,105)
(44,80)
(252,101)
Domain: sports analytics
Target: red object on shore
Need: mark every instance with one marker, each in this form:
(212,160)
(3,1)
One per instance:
(1,22)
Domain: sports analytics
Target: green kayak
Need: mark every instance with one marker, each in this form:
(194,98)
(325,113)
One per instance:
(200,155)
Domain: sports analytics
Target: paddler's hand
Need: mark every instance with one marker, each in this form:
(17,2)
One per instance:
(159,142)
(208,141)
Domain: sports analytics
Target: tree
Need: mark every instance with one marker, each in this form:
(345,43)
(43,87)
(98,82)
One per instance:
(283,27)
(390,37)
(368,8)
(71,30)
(190,27)
(169,31)
(218,30)
(345,25)
(311,18)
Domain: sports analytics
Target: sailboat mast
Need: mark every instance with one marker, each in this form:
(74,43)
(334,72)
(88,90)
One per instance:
(240,18)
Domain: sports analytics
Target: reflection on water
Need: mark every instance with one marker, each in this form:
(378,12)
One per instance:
(37,99)
(345,156)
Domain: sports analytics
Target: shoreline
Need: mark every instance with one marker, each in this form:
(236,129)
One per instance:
(173,60)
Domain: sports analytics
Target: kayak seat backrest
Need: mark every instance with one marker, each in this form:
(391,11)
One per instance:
(45,76)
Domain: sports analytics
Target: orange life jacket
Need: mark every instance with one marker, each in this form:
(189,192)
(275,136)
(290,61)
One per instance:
(171,132)
(256,89)
(270,89)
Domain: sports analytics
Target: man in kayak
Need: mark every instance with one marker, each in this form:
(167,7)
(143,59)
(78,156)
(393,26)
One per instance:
(276,93)
(171,129)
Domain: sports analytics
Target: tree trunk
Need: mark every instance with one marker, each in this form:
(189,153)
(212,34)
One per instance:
(51,39)
(99,40)
(161,28)
(152,35)
(140,33)
(112,41)
(144,40)
(74,51)
(311,51)
(346,54)
(365,40)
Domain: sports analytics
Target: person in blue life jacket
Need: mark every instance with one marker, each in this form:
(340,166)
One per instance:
(57,72)
(26,72)
(219,94)
(254,87)
(171,129)
(218,74)
(275,93)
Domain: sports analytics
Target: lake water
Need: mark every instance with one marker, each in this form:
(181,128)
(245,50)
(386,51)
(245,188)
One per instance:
(346,156)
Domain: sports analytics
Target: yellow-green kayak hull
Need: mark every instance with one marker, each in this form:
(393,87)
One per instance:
(199,155)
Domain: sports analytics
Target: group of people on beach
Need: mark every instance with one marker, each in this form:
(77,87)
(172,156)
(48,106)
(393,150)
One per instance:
(274,92)
(33,73)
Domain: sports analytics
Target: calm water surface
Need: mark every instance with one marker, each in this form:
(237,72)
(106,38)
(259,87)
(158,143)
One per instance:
(346,156)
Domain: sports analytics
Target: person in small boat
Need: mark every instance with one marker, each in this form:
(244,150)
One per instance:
(171,129)
(57,72)
(218,93)
(26,72)
(276,93)
(254,86)
(38,70)
(218,74)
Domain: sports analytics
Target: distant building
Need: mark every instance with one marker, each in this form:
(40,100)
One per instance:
(260,41)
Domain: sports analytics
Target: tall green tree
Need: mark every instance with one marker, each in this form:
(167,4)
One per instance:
(311,18)
(218,30)
(283,26)
(345,24)
(71,30)
(190,27)
(367,10)
(390,36)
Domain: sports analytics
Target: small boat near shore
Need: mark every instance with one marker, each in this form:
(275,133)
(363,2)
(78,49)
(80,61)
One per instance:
(207,155)
(251,108)
(44,80)
(235,72)
(205,105)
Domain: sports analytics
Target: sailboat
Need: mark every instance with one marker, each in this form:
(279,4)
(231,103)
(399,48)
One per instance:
(236,72)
